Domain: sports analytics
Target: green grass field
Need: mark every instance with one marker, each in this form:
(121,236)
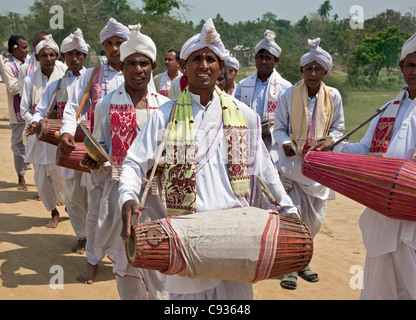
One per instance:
(360,106)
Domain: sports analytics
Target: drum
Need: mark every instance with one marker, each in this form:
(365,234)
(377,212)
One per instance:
(72,160)
(385,185)
(48,128)
(152,246)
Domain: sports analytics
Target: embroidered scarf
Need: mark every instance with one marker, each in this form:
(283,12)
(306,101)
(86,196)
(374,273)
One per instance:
(38,89)
(382,134)
(301,133)
(165,83)
(31,65)
(99,90)
(62,93)
(273,90)
(16,98)
(180,173)
(124,128)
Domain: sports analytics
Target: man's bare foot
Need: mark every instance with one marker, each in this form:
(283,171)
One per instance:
(55,219)
(37,198)
(22,183)
(88,275)
(80,246)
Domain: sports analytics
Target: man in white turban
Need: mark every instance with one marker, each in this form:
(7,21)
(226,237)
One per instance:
(233,65)
(41,154)
(73,50)
(121,115)
(260,91)
(106,78)
(390,266)
(202,113)
(306,113)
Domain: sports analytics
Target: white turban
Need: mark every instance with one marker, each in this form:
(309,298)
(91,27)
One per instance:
(138,43)
(75,41)
(114,28)
(47,42)
(408,47)
(208,38)
(269,44)
(233,63)
(317,54)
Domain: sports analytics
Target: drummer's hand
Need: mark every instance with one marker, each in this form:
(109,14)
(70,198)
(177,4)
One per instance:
(67,142)
(31,129)
(322,145)
(130,207)
(289,152)
(89,163)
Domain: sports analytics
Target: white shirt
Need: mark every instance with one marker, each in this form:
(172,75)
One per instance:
(382,234)
(291,167)
(214,191)
(112,81)
(37,151)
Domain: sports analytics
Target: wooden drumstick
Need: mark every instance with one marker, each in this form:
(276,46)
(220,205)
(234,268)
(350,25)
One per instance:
(269,195)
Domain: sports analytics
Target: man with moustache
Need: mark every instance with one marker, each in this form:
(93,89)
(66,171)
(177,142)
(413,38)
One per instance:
(73,51)
(164,80)
(108,78)
(120,116)
(41,154)
(202,110)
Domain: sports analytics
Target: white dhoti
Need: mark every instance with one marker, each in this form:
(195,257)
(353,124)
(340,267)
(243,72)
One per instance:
(132,283)
(390,267)
(76,204)
(312,209)
(18,148)
(49,185)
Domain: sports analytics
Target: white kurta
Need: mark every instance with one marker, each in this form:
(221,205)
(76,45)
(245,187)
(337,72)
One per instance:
(112,80)
(108,239)
(41,154)
(304,189)
(75,194)
(37,151)
(255,93)
(214,191)
(42,108)
(390,271)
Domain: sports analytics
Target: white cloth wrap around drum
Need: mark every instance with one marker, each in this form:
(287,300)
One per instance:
(237,244)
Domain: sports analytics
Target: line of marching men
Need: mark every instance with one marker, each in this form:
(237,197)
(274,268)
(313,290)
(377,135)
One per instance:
(128,111)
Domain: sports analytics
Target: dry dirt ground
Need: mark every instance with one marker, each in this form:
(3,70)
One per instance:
(32,256)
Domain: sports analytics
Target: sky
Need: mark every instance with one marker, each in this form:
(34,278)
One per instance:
(248,10)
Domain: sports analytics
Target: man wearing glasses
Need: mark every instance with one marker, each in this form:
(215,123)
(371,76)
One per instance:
(307,114)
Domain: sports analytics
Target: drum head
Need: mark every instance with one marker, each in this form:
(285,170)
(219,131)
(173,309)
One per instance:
(131,246)
(39,129)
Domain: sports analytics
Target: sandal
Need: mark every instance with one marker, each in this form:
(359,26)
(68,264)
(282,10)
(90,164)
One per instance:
(289,281)
(309,275)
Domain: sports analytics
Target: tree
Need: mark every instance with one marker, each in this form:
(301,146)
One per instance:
(160,8)
(324,10)
(378,52)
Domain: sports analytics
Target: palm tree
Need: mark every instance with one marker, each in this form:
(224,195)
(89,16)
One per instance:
(324,10)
